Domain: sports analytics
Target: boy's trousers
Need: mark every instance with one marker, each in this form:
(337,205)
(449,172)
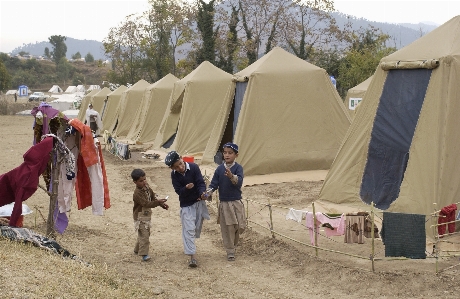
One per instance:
(232,223)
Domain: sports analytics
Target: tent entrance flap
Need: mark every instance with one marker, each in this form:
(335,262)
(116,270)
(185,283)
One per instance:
(170,141)
(394,126)
(228,134)
(239,95)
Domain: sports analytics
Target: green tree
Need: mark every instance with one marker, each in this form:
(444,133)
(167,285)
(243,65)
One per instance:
(59,47)
(227,46)
(64,70)
(361,59)
(205,24)
(23,53)
(5,78)
(76,55)
(158,53)
(123,47)
(89,57)
(309,26)
(47,53)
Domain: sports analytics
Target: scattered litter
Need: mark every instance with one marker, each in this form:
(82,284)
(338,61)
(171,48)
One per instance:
(151,156)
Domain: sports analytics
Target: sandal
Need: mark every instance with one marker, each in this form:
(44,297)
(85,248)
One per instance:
(230,257)
(192,263)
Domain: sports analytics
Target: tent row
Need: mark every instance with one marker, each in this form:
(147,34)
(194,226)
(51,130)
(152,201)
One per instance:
(283,112)
(399,153)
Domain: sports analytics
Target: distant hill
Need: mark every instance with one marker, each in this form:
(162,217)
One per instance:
(73,46)
(402,35)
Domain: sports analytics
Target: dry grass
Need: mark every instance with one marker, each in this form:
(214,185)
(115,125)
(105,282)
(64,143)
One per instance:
(9,107)
(68,279)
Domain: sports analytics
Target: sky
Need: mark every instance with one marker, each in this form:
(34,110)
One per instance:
(30,21)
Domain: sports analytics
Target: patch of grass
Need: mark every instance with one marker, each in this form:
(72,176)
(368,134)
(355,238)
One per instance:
(30,272)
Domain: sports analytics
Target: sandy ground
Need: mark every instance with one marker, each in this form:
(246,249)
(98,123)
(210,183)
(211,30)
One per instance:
(265,267)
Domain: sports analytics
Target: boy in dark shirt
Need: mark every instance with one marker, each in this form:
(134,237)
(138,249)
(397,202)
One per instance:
(144,200)
(188,183)
(228,178)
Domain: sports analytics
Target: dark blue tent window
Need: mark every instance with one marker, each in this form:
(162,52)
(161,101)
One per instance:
(394,126)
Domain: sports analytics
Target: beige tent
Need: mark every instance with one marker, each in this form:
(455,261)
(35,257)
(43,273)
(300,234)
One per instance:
(193,109)
(130,103)
(85,103)
(152,109)
(285,116)
(355,95)
(401,151)
(110,109)
(99,98)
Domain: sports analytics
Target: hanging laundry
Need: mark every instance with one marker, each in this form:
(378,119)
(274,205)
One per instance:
(19,184)
(296,215)
(404,235)
(447,214)
(91,183)
(354,228)
(333,225)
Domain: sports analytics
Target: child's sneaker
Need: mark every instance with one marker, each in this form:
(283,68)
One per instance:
(146,258)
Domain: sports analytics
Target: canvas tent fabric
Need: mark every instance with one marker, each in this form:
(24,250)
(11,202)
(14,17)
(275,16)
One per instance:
(405,132)
(152,109)
(55,89)
(80,88)
(356,92)
(98,99)
(130,103)
(84,104)
(194,107)
(110,109)
(71,89)
(286,117)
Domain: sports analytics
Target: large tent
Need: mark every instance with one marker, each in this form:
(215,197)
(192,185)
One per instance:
(85,103)
(110,109)
(355,95)
(285,115)
(401,151)
(193,109)
(130,103)
(152,109)
(99,98)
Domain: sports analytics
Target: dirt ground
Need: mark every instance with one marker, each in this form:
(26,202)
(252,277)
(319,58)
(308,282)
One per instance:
(265,267)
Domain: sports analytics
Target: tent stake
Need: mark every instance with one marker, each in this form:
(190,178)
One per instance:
(314,228)
(372,236)
(271,218)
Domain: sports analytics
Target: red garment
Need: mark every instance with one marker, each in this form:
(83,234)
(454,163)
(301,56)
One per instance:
(87,157)
(19,184)
(449,213)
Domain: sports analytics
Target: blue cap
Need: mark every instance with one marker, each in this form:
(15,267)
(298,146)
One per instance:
(171,158)
(231,145)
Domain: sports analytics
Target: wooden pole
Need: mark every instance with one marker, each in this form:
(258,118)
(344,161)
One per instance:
(247,212)
(372,236)
(271,218)
(55,169)
(314,228)
(436,237)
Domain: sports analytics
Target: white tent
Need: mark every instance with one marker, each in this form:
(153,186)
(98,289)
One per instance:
(12,91)
(93,87)
(55,89)
(71,89)
(64,101)
(81,88)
